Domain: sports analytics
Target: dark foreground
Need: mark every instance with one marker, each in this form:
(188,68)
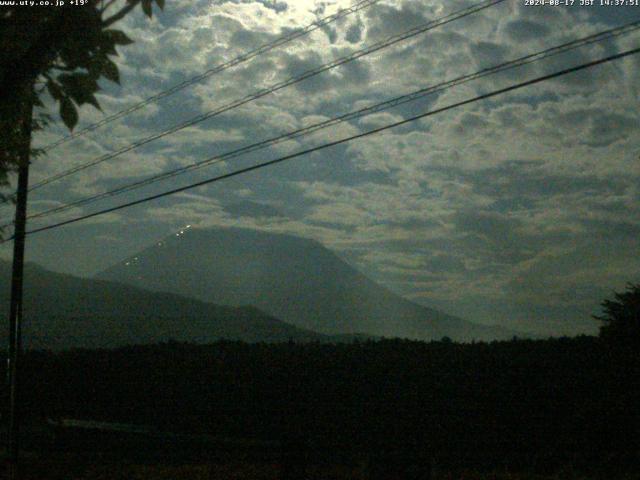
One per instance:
(563,408)
(69,468)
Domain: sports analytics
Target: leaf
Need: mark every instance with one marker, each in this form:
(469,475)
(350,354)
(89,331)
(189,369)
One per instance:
(92,100)
(54,89)
(96,66)
(68,113)
(147,7)
(110,71)
(118,37)
(80,87)
(108,46)
(160,4)
(74,54)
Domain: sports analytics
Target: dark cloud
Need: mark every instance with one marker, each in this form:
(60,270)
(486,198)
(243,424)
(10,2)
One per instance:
(386,20)
(244,39)
(487,54)
(355,73)
(610,16)
(274,5)
(529,181)
(595,127)
(614,228)
(252,209)
(354,33)
(524,30)
(571,275)
(437,42)
(296,66)
(471,124)
(492,236)
(331,32)
(607,128)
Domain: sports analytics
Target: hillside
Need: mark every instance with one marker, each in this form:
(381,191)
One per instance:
(292,278)
(62,311)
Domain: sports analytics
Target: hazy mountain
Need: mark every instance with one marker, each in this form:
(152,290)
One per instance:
(294,279)
(62,311)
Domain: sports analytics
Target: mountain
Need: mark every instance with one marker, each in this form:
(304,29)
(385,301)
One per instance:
(62,311)
(294,279)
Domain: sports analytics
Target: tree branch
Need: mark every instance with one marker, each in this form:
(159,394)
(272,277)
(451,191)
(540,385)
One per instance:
(120,15)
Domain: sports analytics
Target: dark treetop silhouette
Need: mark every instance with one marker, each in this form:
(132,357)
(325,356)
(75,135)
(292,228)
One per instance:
(621,316)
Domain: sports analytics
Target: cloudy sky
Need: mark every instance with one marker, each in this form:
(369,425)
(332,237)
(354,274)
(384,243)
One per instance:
(522,210)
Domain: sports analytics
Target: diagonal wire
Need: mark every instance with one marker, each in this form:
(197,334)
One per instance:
(273,88)
(394,102)
(341,141)
(217,69)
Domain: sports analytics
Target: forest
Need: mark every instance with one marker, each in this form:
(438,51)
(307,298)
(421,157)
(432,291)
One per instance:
(522,405)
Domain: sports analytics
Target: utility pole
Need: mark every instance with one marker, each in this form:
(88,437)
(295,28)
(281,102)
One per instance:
(15,311)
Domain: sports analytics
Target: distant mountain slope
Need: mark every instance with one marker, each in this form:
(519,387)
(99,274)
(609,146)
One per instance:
(63,311)
(294,279)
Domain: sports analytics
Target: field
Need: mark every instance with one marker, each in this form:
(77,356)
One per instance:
(393,409)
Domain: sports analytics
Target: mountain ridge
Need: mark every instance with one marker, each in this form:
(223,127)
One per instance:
(62,311)
(292,278)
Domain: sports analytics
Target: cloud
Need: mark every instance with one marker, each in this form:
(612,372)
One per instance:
(522,209)
(524,30)
(486,54)
(354,33)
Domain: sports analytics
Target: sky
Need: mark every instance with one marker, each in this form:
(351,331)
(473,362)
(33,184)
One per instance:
(522,210)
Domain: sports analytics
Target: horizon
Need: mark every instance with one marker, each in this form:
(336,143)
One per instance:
(520,211)
(272,240)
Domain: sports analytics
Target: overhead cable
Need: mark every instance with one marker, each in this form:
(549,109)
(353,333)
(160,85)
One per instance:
(258,166)
(274,88)
(217,69)
(378,107)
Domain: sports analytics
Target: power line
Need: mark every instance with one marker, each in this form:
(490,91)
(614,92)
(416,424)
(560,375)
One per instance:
(217,69)
(344,140)
(278,86)
(396,101)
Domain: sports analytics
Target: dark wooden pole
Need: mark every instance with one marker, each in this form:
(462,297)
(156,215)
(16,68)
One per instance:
(15,310)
